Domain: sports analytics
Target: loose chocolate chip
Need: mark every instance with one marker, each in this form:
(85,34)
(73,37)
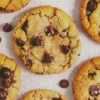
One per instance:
(64,83)
(25,26)
(91,6)
(50,31)
(65,49)
(91,75)
(47,58)
(20,43)
(5,73)
(3,94)
(56,99)
(94,90)
(6,83)
(29,62)
(7,27)
(37,41)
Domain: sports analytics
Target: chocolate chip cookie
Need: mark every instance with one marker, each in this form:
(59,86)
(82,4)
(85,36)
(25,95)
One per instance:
(47,41)
(12,5)
(86,85)
(43,95)
(90,18)
(9,78)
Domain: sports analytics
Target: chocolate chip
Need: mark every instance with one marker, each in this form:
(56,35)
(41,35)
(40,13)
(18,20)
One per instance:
(94,90)
(25,26)
(37,41)
(91,6)
(91,75)
(50,31)
(7,27)
(5,72)
(1,8)
(1,82)
(47,58)
(56,99)
(29,62)
(64,83)
(3,94)
(0,39)
(20,43)
(65,49)
(6,83)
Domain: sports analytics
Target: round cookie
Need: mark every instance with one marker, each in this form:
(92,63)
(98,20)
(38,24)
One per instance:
(9,78)
(90,18)
(12,5)
(43,95)
(47,41)
(86,85)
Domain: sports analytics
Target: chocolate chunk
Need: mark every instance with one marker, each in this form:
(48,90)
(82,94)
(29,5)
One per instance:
(50,31)
(91,6)
(65,49)
(5,73)
(25,26)
(1,82)
(37,41)
(6,83)
(29,62)
(64,83)
(47,58)
(3,94)
(94,90)
(20,43)
(56,99)
(7,27)
(91,75)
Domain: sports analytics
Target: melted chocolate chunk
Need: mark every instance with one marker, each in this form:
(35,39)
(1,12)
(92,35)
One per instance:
(5,73)
(64,83)
(50,31)
(1,82)
(37,41)
(94,90)
(56,99)
(91,6)
(91,75)
(20,43)
(25,26)
(47,58)
(65,49)
(6,83)
(29,62)
(7,27)
(3,94)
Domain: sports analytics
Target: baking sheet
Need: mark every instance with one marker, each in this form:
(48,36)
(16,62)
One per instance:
(32,81)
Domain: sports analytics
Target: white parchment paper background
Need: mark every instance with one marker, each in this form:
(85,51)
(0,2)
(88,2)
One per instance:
(32,81)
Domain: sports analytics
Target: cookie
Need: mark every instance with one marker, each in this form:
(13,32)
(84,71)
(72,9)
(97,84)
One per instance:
(86,85)
(12,5)
(44,95)
(47,41)
(9,78)
(90,18)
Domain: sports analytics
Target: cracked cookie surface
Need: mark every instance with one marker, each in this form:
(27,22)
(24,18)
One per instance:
(47,41)
(12,5)
(44,95)
(90,18)
(9,78)
(86,85)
